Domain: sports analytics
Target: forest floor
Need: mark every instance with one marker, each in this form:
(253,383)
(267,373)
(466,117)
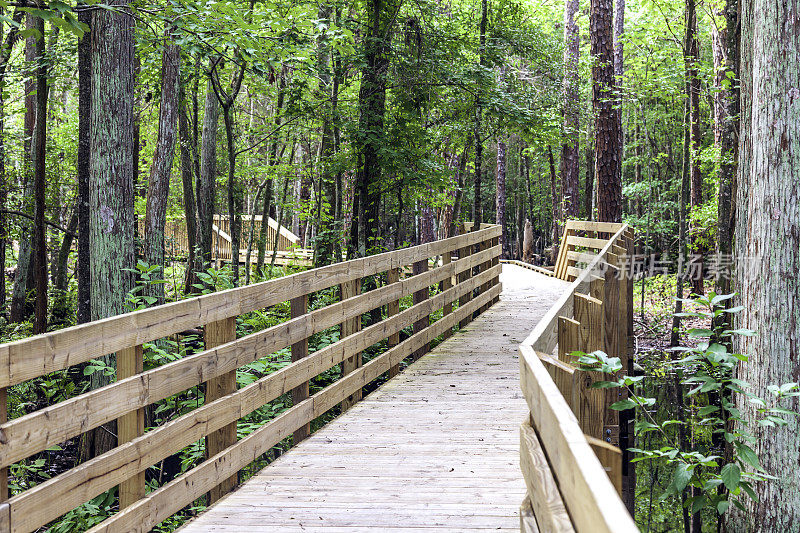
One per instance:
(652,315)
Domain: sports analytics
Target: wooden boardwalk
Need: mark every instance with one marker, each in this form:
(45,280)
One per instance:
(435,449)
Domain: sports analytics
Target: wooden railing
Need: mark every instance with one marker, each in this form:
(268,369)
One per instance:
(571,446)
(467,275)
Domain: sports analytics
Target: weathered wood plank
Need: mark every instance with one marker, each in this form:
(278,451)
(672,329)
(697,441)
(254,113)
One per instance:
(298,307)
(130,362)
(545,498)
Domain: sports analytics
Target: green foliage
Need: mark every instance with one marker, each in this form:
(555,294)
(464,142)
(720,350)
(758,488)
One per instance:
(709,371)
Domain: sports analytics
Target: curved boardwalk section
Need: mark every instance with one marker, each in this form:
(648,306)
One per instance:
(434,449)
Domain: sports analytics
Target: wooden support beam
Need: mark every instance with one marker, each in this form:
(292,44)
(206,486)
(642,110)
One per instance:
(419,297)
(349,327)
(447,284)
(610,457)
(217,333)
(495,262)
(589,312)
(392,308)
(611,327)
(130,362)
(464,276)
(548,507)
(298,307)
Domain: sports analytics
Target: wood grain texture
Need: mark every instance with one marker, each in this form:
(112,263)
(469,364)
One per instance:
(298,307)
(216,334)
(350,289)
(545,498)
(130,362)
(392,308)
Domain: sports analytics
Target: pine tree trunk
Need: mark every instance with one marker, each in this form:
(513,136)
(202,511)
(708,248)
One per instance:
(607,150)
(161,171)
(570,155)
(556,203)
(768,248)
(619,72)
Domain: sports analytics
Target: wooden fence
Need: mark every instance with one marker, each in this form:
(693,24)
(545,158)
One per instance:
(467,275)
(289,251)
(570,448)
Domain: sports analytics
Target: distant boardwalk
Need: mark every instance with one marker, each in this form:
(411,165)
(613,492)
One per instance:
(435,449)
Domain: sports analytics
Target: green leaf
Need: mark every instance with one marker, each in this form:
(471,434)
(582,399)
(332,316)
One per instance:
(681,476)
(623,405)
(707,410)
(746,454)
(731,475)
(723,506)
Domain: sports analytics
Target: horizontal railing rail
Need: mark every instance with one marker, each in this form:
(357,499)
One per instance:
(465,270)
(571,448)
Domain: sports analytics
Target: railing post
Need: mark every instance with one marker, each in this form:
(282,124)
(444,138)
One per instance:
(611,345)
(299,307)
(350,326)
(482,267)
(130,425)
(420,296)
(495,262)
(625,331)
(462,277)
(217,333)
(393,308)
(447,284)
(589,312)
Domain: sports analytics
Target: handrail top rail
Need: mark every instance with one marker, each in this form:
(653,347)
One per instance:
(38,355)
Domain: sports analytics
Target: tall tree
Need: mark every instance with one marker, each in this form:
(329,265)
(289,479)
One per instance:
(187,178)
(111,222)
(477,213)
(161,170)
(381,16)
(5,57)
(570,151)
(500,203)
(692,57)
(619,72)
(207,178)
(23,281)
(607,150)
(39,150)
(768,248)
(727,119)
(83,163)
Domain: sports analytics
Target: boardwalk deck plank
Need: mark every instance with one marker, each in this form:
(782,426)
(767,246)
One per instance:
(435,449)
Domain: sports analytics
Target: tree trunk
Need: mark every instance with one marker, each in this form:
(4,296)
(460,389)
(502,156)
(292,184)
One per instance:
(206,183)
(556,203)
(39,149)
(372,108)
(619,72)
(477,211)
(189,205)
(111,222)
(570,156)
(768,249)
(589,199)
(5,57)
(161,171)
(83,163)
(23,281)
(691,58)
(607,149)
(500,208)
(728,124)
